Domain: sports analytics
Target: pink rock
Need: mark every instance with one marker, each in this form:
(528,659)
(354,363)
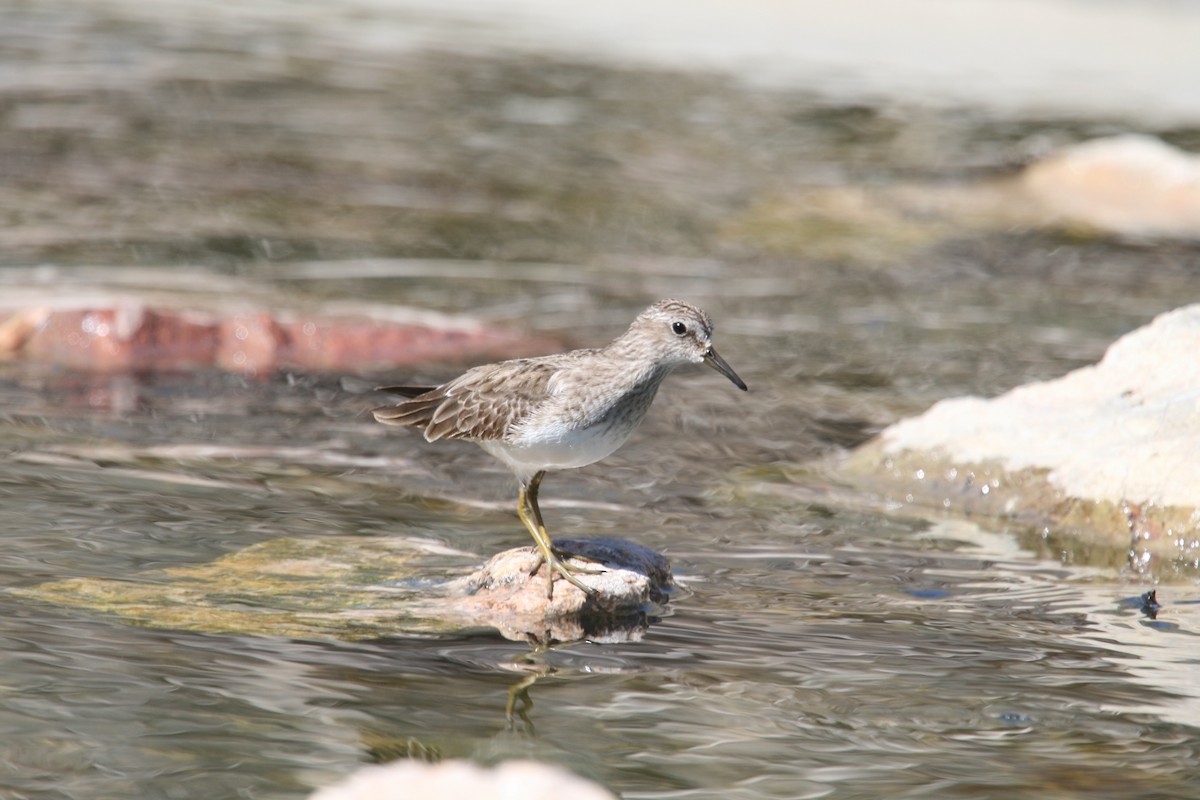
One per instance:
(125,336)
(328,344)
(249,343)
(1131,185)
(130,335)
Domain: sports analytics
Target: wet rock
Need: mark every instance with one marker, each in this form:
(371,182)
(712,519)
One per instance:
(1130,185)
(1107,453)
(505,595)
(108,333)
(370,587)
(332,587)
(511,780)
(122,335)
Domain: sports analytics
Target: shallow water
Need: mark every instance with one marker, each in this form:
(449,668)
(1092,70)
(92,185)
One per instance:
(819,646)
(812,650)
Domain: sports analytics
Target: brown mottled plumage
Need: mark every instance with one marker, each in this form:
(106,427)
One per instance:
(561,411)
(482,403)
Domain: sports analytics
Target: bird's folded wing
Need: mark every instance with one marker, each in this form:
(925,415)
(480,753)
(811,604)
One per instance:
(484,403)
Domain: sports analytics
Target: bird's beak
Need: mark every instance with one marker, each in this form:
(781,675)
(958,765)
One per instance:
(716,362)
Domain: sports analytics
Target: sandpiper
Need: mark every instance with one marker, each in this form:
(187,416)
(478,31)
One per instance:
(561,411)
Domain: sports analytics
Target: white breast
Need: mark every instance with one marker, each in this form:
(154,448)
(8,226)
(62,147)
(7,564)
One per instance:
(570,431)
(553,449)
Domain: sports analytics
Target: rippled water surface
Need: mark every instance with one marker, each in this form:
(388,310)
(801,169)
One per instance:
(813,650)
(819,645)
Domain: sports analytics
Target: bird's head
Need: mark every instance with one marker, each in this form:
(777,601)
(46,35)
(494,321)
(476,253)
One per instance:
(682,333)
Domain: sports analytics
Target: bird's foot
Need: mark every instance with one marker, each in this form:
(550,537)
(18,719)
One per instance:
(563,555)
(567,571)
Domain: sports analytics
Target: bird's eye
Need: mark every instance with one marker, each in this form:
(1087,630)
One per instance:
(679,328)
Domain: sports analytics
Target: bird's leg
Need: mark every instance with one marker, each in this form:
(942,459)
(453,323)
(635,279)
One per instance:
(533,524)
(537,517)
(526,503)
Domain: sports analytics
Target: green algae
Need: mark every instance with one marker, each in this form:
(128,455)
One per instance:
(843,226)
(349,588)
(1152,540)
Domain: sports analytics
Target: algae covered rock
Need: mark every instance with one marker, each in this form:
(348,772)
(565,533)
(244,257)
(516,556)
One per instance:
(354,588)
(1110,452)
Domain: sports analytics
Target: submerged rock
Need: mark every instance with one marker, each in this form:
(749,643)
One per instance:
(357,588)
(1109,453)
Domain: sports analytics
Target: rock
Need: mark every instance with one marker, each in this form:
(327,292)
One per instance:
(1110,452)
(505,595)
(122,335)
(1129,185)
(355,588)
(127,332)
(417,780)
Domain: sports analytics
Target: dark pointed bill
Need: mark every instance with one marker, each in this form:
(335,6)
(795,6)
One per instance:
(716,362)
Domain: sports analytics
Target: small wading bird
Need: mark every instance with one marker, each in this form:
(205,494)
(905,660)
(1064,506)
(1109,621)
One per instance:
(561,411)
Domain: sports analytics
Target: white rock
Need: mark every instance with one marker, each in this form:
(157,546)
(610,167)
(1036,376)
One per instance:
(449,780)
(1131,185)
(1127,428)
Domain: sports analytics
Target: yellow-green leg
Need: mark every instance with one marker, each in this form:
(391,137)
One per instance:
(520,692)
(526,503)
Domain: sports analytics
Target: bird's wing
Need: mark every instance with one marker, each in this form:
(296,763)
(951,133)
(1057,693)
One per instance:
(482,403)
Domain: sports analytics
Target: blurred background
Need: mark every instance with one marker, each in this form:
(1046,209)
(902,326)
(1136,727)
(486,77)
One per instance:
(828,173)
(882,204)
